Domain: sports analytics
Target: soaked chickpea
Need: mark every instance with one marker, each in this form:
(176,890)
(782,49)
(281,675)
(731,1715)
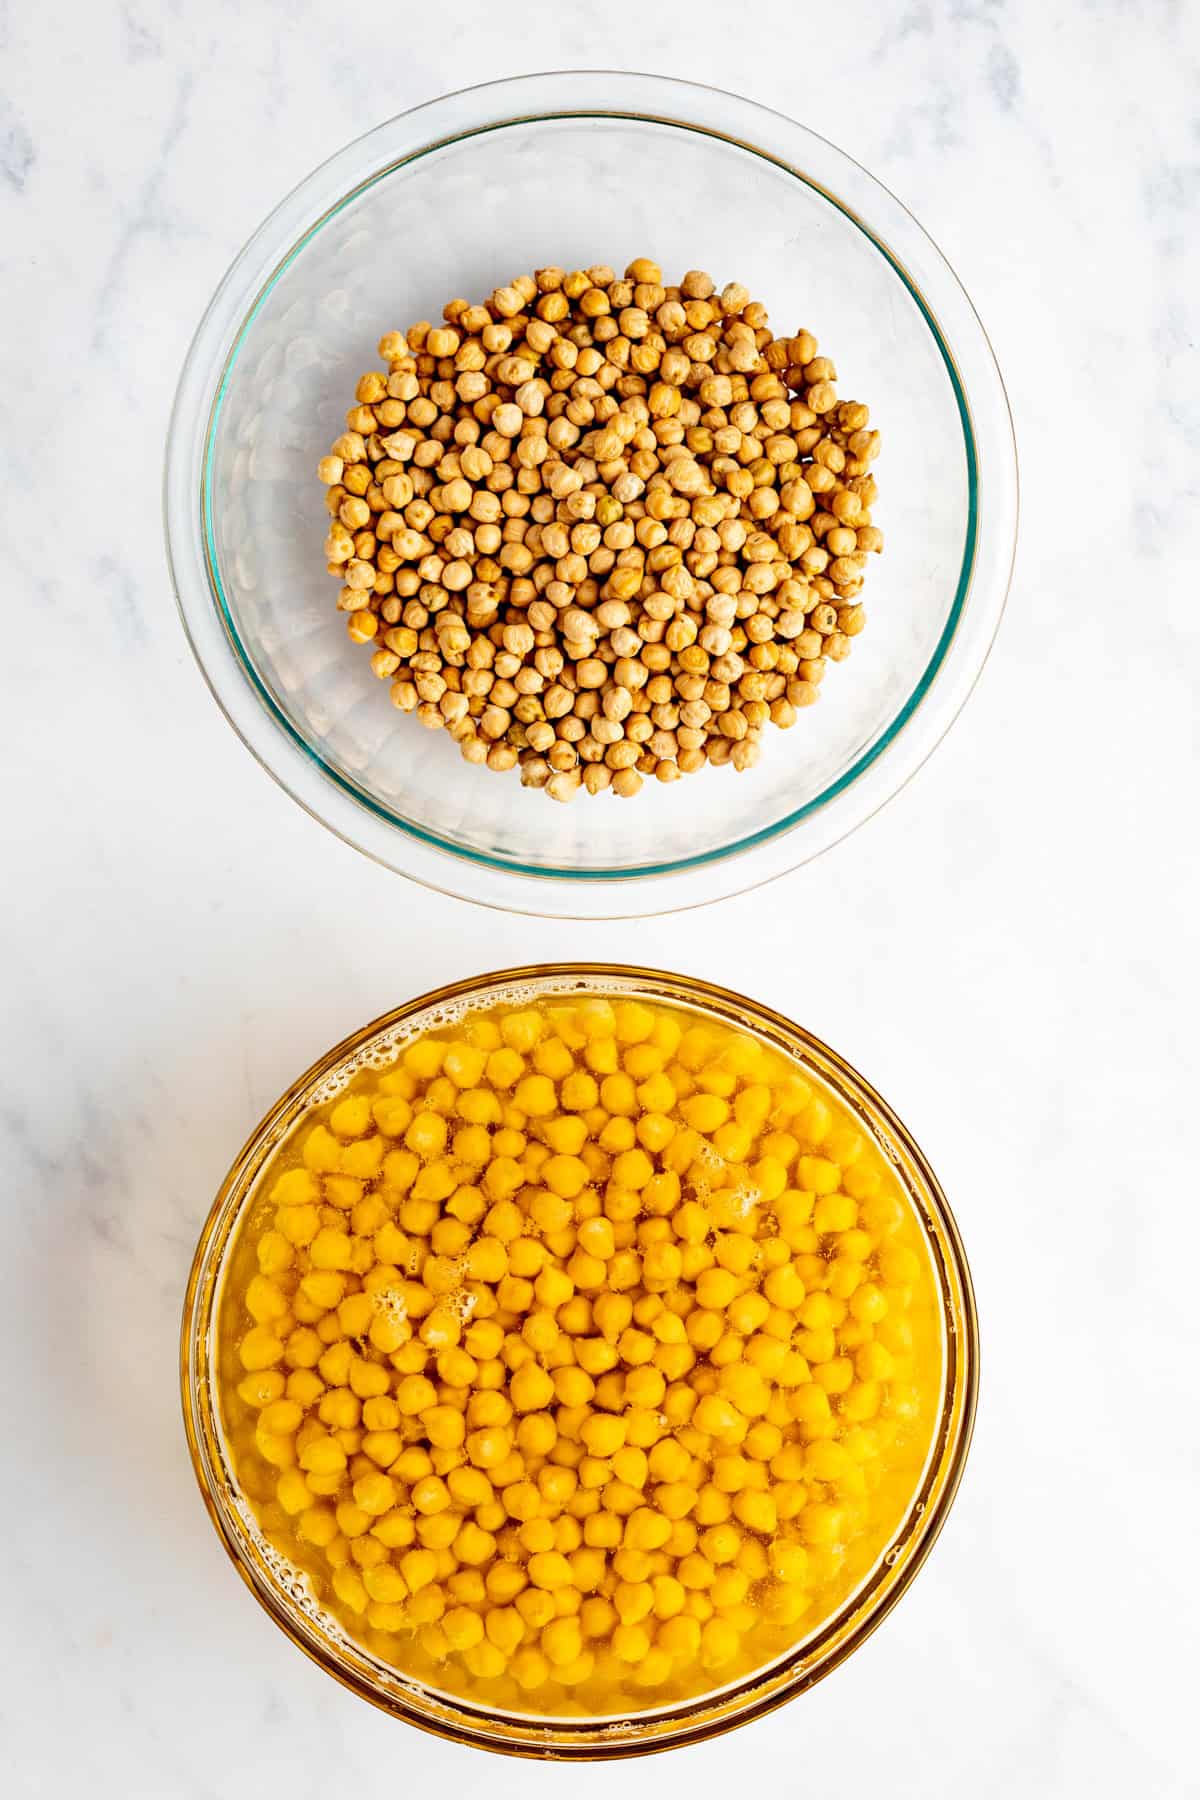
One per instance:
(600,490)
(584,1358)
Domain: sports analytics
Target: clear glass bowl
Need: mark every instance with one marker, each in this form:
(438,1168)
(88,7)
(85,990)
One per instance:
(454,198)
(285,1593)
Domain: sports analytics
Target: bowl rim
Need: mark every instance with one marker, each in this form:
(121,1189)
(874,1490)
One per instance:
(751,1696)
(190,529)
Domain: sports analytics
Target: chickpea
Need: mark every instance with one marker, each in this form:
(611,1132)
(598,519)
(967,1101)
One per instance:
(629,486)
(557,1403)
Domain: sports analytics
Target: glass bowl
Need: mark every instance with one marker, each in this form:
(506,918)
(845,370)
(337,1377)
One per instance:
(454,198)
(285,1593)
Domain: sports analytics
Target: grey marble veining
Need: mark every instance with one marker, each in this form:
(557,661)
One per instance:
(1014,956)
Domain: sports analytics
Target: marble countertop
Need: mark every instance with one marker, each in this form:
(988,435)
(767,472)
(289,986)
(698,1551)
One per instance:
(1015,965)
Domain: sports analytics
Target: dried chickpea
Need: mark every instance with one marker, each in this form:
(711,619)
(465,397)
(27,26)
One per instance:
(551,525)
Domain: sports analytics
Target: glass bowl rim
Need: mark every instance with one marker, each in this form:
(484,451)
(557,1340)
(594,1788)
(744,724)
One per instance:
(793,1672)
(568,883)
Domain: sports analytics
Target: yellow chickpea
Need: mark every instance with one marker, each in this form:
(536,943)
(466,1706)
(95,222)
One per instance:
(553,1369)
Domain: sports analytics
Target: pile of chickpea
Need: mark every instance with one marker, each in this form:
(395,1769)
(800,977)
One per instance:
(585,1359)
(602,527)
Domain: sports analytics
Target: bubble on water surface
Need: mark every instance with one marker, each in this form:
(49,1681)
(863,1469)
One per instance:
(392,1304)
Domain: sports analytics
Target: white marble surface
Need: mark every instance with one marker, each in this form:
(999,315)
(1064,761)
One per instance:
(1015,958)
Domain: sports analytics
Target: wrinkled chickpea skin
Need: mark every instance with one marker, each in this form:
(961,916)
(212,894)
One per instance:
(604,500)
(586,1358)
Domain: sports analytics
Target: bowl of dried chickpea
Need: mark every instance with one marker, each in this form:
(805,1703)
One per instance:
(579,1361)
(665,506)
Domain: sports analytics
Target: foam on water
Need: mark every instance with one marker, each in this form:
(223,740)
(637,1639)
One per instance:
(392,1304)
(382,1051)
(294,1581)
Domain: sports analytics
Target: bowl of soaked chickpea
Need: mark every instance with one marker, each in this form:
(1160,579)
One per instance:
(626,356)
(579,1361)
